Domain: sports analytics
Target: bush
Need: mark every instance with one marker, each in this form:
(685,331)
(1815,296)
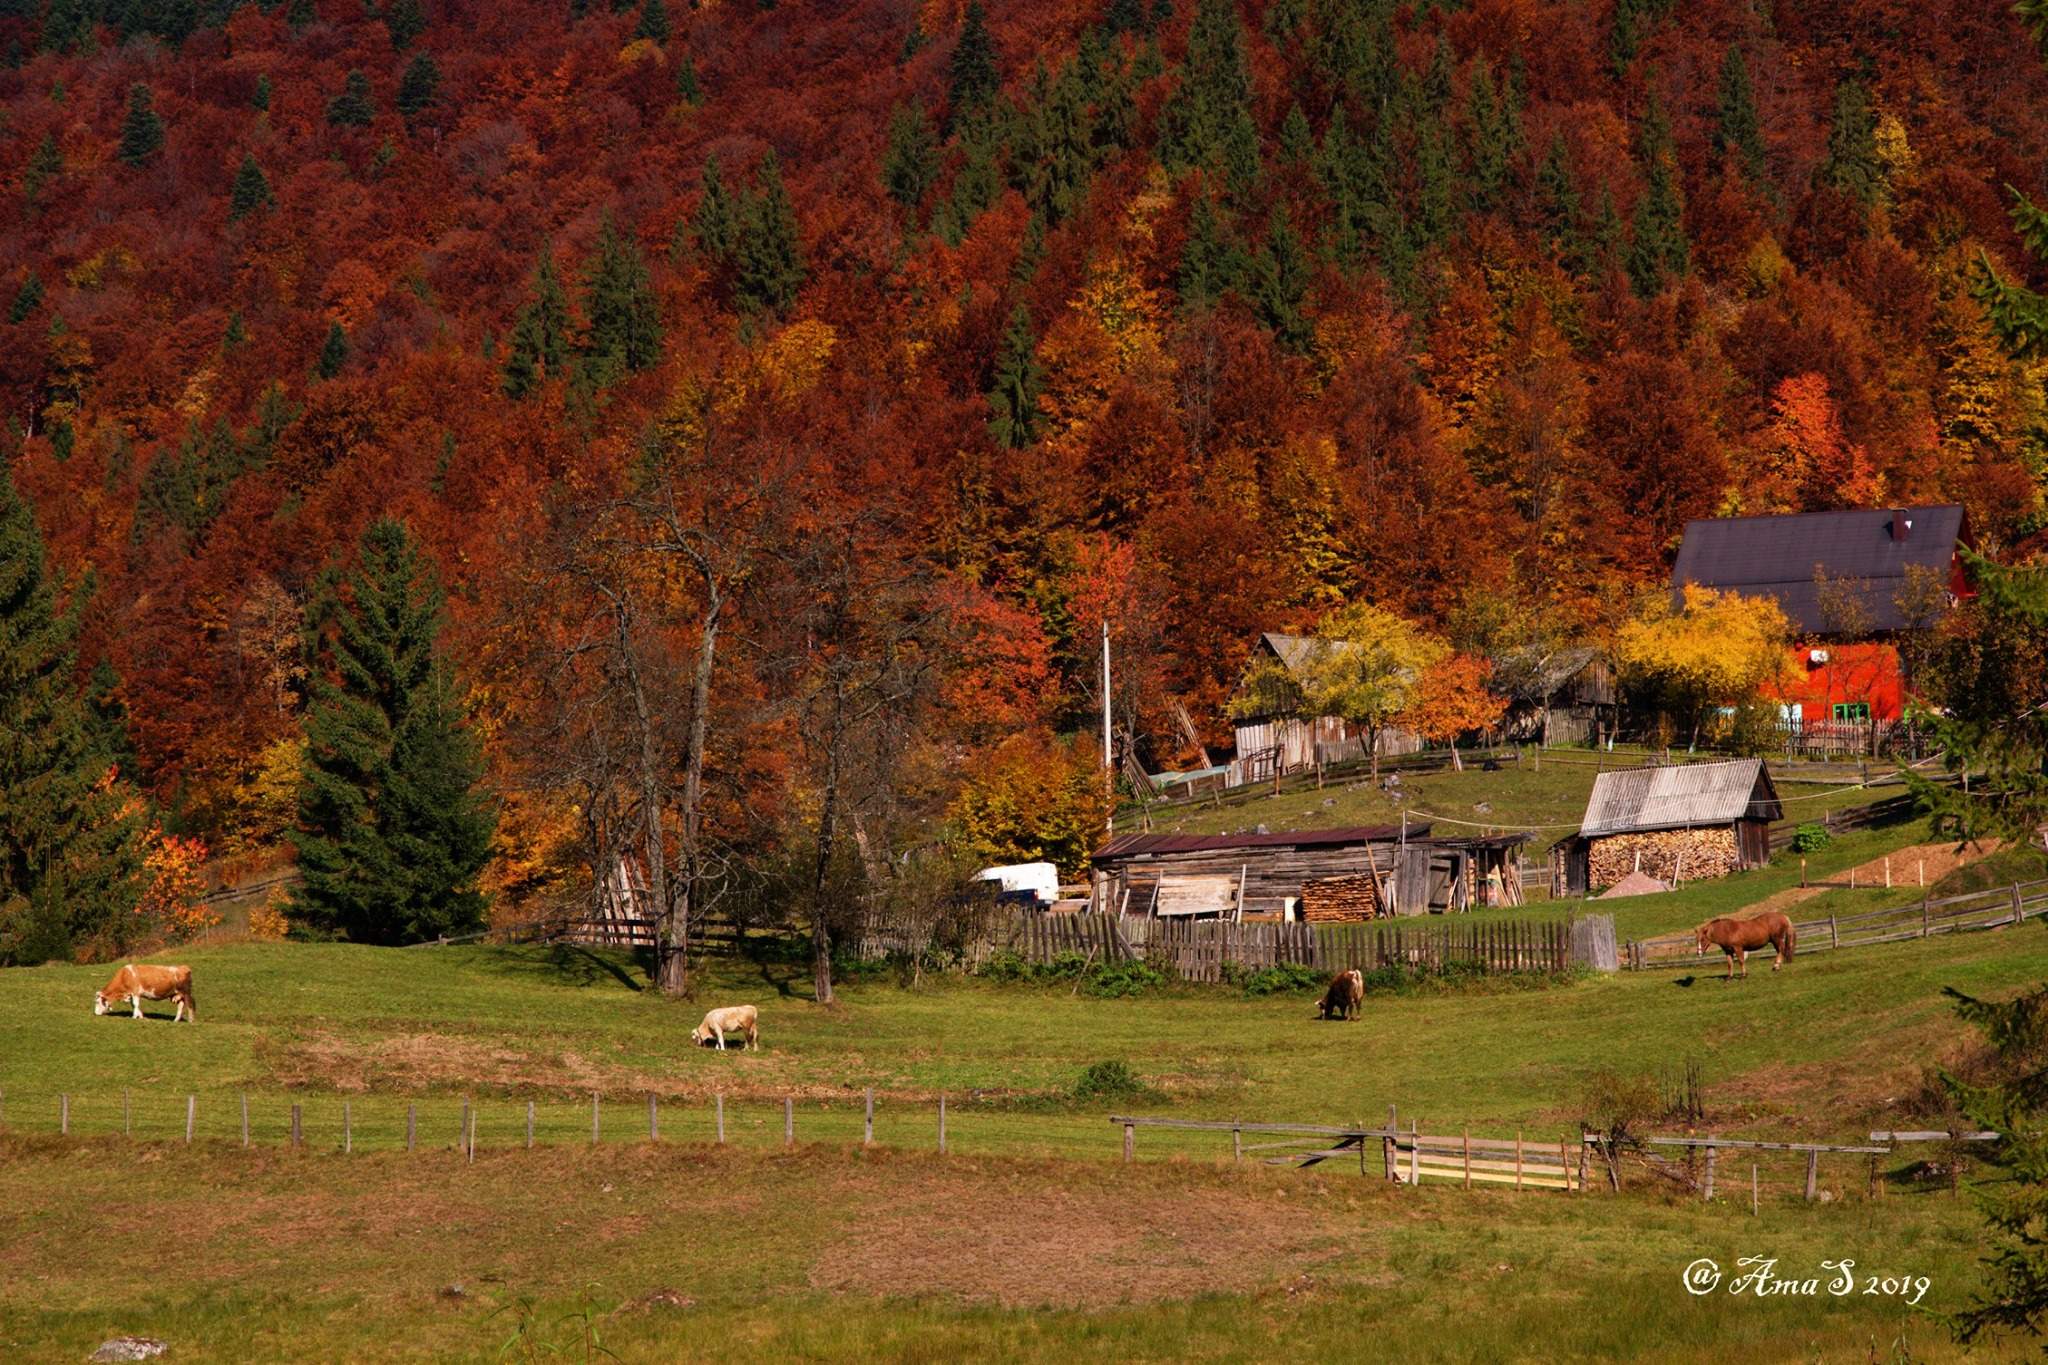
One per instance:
(1110,1080)
(1810,839)
(1115,980)
(1286,978)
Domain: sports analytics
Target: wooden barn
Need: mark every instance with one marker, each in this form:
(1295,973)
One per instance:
(1271,746)
(1675,823)
(1329,875)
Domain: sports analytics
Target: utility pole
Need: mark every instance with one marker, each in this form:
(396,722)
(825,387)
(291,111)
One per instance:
(1108,746)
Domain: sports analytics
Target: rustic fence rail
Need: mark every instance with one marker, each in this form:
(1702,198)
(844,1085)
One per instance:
(1991,909)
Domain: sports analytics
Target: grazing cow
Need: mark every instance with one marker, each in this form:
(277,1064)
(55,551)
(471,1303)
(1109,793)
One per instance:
(742,1019)
(138,982)
(1740,937)
(1345,999)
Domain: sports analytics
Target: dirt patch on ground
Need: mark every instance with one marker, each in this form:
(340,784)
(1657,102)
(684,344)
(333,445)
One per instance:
(1906,868)
(1091,1245)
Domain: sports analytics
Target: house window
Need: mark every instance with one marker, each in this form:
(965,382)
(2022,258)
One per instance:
(1857,712)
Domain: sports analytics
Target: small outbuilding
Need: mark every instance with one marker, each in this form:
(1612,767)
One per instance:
(1674,823)
(1209,876)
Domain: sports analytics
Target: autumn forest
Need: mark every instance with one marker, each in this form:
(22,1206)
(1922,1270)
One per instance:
(746,417)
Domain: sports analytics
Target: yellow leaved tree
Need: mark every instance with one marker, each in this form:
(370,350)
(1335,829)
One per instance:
(1710,650)
(1364,665)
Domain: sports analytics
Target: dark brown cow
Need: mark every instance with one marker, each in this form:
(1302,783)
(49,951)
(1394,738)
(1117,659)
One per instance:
(1345,999)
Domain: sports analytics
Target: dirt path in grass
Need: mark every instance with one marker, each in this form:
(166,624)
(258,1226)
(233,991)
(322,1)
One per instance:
(1906,868)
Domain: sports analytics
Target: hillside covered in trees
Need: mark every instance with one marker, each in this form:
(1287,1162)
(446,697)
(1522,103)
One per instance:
(786,394)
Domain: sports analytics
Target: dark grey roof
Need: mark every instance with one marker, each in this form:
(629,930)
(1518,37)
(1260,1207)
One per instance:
(1683,795)
(1777,556)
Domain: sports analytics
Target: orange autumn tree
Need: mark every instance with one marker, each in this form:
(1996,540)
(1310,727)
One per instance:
(1452,699)
(1034,800)
(174,906)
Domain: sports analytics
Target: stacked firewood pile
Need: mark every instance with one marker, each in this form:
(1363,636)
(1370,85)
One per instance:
(1340,900)
(1667,854)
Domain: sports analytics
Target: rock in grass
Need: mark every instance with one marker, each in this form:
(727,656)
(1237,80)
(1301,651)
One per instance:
(129,1348)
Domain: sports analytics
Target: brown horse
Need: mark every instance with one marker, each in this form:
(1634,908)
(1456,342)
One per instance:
(1737,937)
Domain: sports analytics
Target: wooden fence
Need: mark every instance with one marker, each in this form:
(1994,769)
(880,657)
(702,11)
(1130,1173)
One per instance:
(1198,951)
(1991,909)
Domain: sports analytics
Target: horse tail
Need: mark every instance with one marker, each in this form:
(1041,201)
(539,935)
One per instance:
(1791,938)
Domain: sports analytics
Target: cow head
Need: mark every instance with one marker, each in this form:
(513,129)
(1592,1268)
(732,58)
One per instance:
(700,1033)
(99,1002)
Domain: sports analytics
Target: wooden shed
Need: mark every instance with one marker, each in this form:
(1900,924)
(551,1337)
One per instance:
(1680,822)
(1185,874)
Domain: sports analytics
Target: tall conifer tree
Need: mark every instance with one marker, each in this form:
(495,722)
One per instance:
(771,253)
(70,837)
(393,831)
(1013,399)
(1738,132)
(142,132)
(619,304)
(540,336)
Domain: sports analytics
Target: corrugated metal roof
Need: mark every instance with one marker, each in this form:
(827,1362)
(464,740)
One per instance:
(1139,845)
(1686,794)
(1776,557)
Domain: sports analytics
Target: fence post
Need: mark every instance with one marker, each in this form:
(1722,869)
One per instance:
(471,1143)
(348,1137)
(298,1133)
(1925,919)
(1564,1163)
(788,1121)
(245,1118)
(1518,1161)
(63,1115)
(1812,1174)
(529,1125)
(125,1129)
(867,1138)
(1834,933)
(1468,1158)
(942,1125)
(2017,913)
(1130,1141)
(593,1118)
(653,1119)
(1713,1156)
(191,1113)
(1236,1142)
(1875,1188)
(1752,1189)
(1415,1152)
(718,1103)
(412,1123)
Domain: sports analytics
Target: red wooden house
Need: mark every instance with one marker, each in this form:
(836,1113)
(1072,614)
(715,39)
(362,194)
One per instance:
(1851,582)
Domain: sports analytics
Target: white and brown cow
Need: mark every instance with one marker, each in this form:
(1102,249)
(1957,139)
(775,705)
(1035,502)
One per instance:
(736,1019)
(138,982)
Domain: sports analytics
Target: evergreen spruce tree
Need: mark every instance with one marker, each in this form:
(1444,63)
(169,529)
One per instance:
(688,89)
(45,164)
(418,87)
(260,100)
(26,299)
(70,837)
(1851,163)
(333,352)
(619,304)
(2017,313)
(142,132)
(1557,199)
(236,331)
(353,107)
(1658,247)
(1281,286)
(251,190)
(405,21)
(68,25)
(1210,263)
(1607,231)
(1013,399)
(771,265)
(715,223)
(1494,116)
(974,78)
(1030,251)
(1127,16)
(540,335)
(1297,139)
(653,25)
(1738,132)
(1208,122)
(393,832)
(910,164)
(1066,159)
(107,714)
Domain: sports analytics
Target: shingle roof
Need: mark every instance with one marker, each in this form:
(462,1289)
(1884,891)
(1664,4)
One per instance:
(1674,797)
(1776,557)
(1136,845)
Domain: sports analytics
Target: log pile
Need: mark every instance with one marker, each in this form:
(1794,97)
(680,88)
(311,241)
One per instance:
(1666,854)
(1340,900)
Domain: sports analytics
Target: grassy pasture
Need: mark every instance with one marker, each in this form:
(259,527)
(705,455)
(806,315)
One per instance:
(1028,1241)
